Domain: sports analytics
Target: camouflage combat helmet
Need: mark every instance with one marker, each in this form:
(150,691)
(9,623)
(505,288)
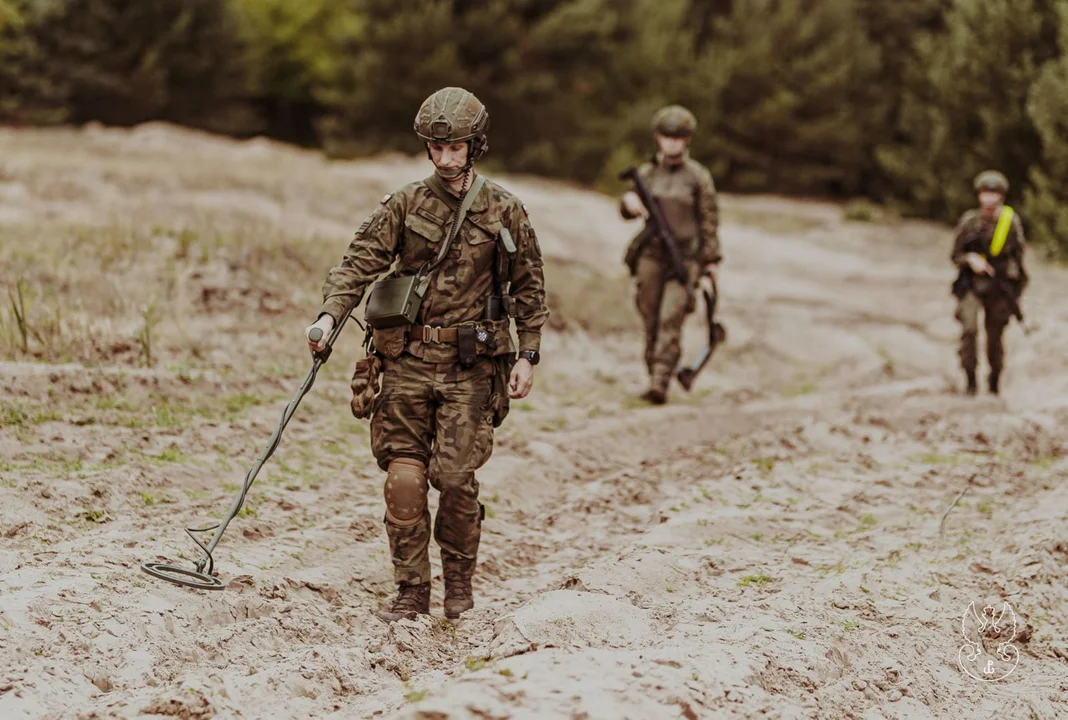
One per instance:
(674,121)
(453,115)
(991,180)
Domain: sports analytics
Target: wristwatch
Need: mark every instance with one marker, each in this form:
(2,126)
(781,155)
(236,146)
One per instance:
(531,355)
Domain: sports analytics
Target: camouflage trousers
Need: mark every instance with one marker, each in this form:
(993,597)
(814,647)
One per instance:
(441,415)
(663,305)
(996,315)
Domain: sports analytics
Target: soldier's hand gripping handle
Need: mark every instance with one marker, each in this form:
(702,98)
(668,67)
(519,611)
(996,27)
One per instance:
(634,205)
(978,263)
(318,332)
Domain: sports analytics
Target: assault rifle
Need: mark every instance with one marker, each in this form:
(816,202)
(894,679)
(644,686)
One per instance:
(658,226)
(966,279)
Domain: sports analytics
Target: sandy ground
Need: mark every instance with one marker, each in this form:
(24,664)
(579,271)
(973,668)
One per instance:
(799,537)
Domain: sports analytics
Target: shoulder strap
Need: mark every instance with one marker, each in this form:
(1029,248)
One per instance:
(437,186)
(1001,232)
(458,220)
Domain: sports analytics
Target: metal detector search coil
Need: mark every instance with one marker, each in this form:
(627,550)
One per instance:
(203,576)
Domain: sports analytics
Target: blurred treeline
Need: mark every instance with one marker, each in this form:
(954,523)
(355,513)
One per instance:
(900,101)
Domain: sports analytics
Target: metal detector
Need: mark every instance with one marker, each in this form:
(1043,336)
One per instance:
(203,576)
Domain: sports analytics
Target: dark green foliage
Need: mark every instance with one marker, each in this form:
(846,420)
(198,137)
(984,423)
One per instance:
(795,81)
(901,102)
(295,53)
(966,111)
(126,61)
(1047,107)
(29,93)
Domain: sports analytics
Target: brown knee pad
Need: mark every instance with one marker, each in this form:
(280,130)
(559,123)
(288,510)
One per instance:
(405,491)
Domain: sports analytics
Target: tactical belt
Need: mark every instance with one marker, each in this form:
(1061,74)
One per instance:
(464,337)
(428,334)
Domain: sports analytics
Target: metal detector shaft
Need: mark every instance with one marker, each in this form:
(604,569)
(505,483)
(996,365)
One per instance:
(203,576)
(265,454)
(320,357)
(717,334)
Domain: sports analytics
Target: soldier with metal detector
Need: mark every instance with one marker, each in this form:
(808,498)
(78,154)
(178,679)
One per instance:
(679,245)
(467,260)
(440,366)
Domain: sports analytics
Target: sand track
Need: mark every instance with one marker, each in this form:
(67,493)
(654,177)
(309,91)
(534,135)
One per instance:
(776,544)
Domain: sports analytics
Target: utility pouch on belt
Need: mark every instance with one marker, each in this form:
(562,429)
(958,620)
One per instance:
(499,399)
(396,301)
(465,345)
(634,250)
(494,309)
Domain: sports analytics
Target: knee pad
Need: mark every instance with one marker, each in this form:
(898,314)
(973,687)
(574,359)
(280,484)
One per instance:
(405,492)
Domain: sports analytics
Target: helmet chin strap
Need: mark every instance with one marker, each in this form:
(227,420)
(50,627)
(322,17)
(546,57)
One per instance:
(451,174)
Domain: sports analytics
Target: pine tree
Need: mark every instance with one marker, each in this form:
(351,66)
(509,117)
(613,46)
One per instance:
(789,87)
(894,28)
(126,61)
(294,55)
(29,94)
(588,80)
(1047,107)
(967,112)
(404,52)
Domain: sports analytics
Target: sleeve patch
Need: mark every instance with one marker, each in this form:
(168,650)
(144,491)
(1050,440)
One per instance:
(385,198)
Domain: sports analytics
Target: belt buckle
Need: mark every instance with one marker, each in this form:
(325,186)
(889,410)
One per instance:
(431,334)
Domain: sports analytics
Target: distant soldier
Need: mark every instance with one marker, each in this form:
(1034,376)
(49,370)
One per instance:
(447,372)
(988,247)
(684,190)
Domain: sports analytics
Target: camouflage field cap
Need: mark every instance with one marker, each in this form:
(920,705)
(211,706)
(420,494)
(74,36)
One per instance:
(674,121)
(453,115)
(991,180)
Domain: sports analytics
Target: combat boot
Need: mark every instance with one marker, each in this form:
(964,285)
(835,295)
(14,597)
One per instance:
(458,594)
(656,396)
(411,600)
(972,386)
(995,375)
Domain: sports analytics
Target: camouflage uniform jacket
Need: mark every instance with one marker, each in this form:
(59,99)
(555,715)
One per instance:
(974,233)
(407,227)
(687,197)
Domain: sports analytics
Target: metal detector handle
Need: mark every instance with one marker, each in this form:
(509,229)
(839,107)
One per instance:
(316,334)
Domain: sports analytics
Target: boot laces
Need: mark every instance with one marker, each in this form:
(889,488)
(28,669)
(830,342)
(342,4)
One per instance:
(409,599)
